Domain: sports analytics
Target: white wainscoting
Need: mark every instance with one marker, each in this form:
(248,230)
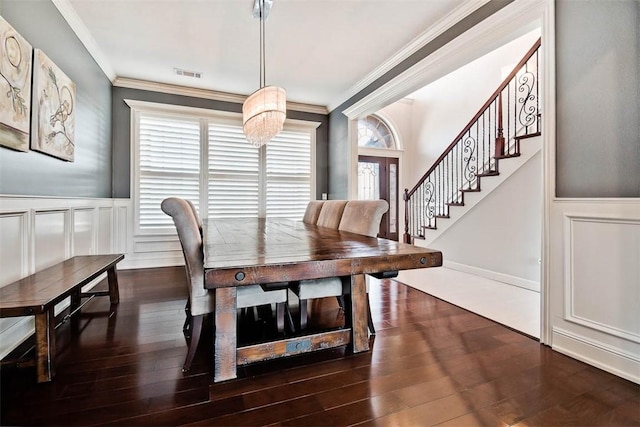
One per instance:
(595,282)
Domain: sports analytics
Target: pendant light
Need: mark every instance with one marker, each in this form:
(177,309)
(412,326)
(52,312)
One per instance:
(265,110)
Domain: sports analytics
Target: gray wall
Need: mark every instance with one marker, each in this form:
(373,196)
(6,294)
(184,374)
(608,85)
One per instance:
(339,149)
(122,121)
(598,98)
(34,173)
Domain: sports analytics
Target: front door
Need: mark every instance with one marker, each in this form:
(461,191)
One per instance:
(378,179)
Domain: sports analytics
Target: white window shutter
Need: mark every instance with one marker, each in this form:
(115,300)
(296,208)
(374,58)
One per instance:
(169,166)
(288,174)
(234,173)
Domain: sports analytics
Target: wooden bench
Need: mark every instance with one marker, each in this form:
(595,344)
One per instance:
(39,293)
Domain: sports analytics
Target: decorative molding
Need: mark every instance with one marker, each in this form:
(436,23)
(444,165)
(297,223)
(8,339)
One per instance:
(493,31)
(206,94)
(448,21)
(570,266)
(619,362)
(519,282)
(69,14)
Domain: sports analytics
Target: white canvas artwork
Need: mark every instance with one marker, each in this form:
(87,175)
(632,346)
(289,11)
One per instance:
(54,100)
(15,88)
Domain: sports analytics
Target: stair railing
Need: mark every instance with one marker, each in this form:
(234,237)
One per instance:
(511,113)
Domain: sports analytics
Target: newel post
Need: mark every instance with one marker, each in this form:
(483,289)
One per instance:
(500,136)
(405,197)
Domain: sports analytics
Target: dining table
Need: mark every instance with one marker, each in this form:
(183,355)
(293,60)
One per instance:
(249,251)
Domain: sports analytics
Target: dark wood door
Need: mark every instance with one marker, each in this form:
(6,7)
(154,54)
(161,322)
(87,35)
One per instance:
(378,179)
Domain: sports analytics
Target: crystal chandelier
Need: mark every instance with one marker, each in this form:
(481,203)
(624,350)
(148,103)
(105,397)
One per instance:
(264,111)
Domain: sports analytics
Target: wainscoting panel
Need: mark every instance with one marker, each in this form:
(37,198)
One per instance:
(594,282)
(83,231)
(52,237)
(13,249)
(602,285)
(105,230)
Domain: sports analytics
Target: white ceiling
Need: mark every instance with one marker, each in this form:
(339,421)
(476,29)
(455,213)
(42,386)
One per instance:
(320,51)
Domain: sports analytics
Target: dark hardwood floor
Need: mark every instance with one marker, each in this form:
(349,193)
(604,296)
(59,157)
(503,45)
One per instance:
(431,363)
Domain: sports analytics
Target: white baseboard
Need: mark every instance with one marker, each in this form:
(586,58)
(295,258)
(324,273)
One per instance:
(600,355)
(494,275)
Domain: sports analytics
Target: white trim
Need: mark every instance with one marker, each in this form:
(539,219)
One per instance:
(520,282)
(442,25)
(69,14)
(611,359)
(206,94)
(490,33)
(548,91)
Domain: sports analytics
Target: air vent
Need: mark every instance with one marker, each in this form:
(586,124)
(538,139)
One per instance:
(186,73)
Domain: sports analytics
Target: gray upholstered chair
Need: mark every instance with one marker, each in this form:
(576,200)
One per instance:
(331,213)
(312,212)
(355,216)
(363,217)
(201,301)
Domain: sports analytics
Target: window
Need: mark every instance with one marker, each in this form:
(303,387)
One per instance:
(203,156)
(373,132)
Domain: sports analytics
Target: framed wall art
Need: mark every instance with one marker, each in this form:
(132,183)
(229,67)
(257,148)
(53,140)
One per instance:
(15,88)
(53,118)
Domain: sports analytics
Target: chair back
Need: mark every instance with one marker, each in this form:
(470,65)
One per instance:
(312,212)
(331,213)
(189,231)
(363,216)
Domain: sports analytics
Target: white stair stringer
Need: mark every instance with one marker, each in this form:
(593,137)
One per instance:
(507,167)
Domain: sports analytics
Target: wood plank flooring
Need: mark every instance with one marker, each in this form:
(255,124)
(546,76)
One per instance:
(431,363)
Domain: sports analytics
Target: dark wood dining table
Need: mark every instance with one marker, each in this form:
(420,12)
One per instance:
(242,252)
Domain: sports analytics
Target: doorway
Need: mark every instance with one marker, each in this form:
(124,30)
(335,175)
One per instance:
(378,179)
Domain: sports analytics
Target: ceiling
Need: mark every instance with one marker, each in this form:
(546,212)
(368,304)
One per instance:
(320,51)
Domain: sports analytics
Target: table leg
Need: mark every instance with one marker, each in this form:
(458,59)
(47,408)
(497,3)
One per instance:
(45,345)
(114,293)
(225,339)
(359,331)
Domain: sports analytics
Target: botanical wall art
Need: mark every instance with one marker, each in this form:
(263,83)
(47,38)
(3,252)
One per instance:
(54,100)
(15,88)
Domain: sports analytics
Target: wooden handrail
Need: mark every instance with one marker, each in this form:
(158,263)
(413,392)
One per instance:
(475,118)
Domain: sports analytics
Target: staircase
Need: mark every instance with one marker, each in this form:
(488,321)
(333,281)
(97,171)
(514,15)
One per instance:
(494,135)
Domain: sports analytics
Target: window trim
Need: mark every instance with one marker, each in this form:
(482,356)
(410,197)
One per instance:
(203,115)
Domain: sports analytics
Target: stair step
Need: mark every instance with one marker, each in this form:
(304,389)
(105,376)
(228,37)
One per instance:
(489,173)
(471,190)
(455,204)
(442,216)
(506,156)
(429,227)
(529,135)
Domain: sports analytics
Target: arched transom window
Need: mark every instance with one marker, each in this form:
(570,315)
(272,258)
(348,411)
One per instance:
(374,133)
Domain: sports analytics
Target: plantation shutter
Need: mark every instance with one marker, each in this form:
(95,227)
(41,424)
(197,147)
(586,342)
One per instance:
(288,175)
(169,166)
(234,173)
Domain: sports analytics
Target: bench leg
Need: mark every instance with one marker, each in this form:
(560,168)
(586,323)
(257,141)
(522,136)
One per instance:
(45,345)
(114,293)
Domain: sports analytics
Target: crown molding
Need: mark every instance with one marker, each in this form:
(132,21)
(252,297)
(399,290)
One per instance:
(206,94)
(493,30)
(69,14)
(449,20)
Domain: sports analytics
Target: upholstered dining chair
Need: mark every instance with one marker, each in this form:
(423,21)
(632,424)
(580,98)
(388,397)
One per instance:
(355,216)
(331,213)
(312,212)
(202,301)
(364,217)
